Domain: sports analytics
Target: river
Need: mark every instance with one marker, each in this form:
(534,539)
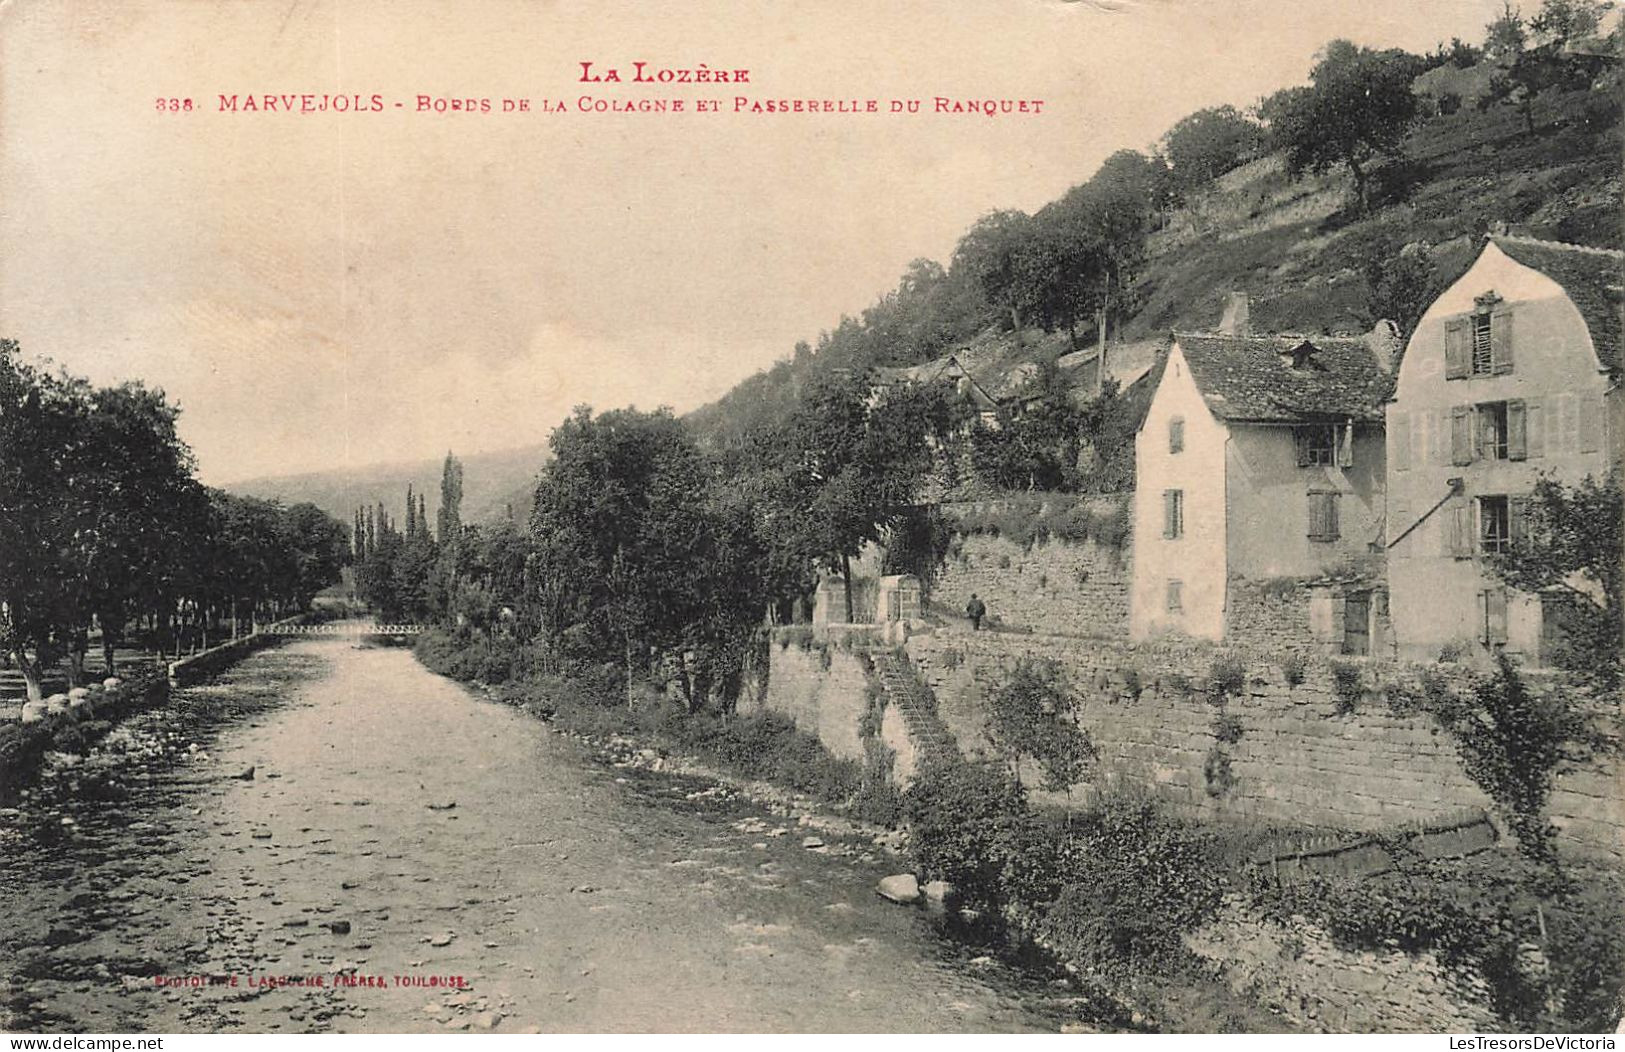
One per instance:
(398,829)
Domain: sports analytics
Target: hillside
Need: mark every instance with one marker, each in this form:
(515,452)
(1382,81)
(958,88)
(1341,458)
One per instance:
(1299,248)
(491,482)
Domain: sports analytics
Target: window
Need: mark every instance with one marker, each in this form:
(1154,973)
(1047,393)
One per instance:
(1176,597)
(1176,435)
(1317,444)
(1173,513)
(1479,343)
(1323,517)
(1494,524)
(1483,362)
(1492,431)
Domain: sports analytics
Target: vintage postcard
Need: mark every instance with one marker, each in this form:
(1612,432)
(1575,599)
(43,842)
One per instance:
(1069,516)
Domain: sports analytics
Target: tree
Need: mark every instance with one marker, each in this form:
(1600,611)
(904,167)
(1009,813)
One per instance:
(1208,143)
(41,419)
(1358,108)
(1400,285)
(636,560)
(1034,714)
(1504,38)
(1570,551)
(987,258)
(449,518)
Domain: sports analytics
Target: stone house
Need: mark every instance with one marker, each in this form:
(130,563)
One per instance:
(1512,374)
(1258,509)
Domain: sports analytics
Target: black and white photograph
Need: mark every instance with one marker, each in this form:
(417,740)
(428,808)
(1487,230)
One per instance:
(1072,517)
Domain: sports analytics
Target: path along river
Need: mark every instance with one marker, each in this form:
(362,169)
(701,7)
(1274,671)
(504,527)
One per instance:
(398,827)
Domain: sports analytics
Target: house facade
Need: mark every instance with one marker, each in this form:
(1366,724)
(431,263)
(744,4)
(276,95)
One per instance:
(1259,490)
(1512,374)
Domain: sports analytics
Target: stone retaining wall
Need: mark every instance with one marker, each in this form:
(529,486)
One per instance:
(1306,756)
(1054,587)
(822,688)
(1297,971)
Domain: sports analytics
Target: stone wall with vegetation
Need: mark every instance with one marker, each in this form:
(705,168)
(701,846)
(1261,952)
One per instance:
(1052,577)
(1284,740)
(822,688)
(1295,970)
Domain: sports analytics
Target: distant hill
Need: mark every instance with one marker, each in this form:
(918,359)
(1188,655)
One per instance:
(491,482)
(1299,248)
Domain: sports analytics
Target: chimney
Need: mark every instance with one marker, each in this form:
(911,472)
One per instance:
(1385,344)
(1234,322)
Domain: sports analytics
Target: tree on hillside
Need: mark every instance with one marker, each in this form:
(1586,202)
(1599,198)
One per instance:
(1357,108)
(987,258)
(1400,285)
(1505,36)
(1208,143)
(1569,550)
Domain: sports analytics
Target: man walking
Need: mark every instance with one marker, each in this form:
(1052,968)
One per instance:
(975,610)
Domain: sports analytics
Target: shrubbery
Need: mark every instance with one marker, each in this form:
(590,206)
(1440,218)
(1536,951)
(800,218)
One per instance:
(1552,962)
(1135,879)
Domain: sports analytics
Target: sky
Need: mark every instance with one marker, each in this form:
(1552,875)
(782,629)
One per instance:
(328,290)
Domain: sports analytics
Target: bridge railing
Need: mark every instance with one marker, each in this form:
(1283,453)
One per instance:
(345,628)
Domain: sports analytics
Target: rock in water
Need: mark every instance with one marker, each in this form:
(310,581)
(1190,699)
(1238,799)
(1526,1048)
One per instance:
(900,887)
(442,805)
(247,774)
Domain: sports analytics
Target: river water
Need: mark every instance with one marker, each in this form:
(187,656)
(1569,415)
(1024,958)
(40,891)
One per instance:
(439,862)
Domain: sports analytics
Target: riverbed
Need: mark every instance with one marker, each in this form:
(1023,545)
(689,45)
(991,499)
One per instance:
(330,838)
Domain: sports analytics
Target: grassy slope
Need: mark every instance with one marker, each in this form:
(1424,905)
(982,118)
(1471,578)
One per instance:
(1297,249)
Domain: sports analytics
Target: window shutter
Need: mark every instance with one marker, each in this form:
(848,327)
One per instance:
(1567,439)
(1168,513)
(1517,430)
(1399,424)
(1534,428)
(1590,424)
(1176,435)
(1457,358)
(1332,532)
(1501,341)
(1495,615)
(1300,435)
(1461,531)
(1315,518)
(1518,519)
(1461,434)
(1345,446)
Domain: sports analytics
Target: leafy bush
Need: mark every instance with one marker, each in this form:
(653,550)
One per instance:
(1226,677)
(1033,713)
(1347,685)
(1511,743)
(1217,776)
(1293,667)
(1227,729)
(1136,878)
(1480,915)
(969,824)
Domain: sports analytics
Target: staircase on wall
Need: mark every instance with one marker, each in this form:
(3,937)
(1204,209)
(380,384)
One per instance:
(909,694)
